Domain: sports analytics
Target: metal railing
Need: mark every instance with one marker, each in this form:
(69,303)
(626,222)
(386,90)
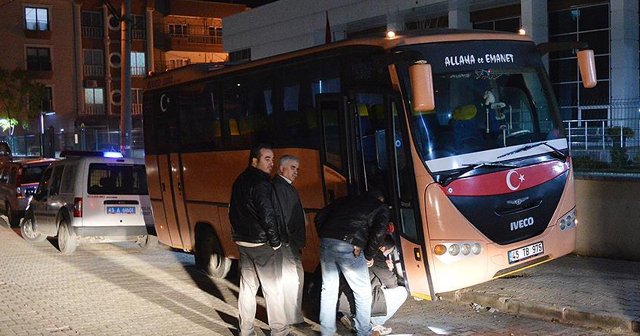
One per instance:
(93,70)
(89,138)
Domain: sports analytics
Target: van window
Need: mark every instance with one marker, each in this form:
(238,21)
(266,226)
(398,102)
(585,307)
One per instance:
(68,179)
(117,179)
(55,180)
(32,174)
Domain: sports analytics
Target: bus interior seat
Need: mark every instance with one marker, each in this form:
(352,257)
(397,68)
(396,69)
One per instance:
(233,127)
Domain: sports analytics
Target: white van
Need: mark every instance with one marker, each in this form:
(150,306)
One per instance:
(91,198)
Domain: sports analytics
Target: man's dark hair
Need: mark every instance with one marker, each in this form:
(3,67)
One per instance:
(388,242)
(255,151)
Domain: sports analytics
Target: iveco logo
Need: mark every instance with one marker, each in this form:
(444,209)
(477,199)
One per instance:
(518,201)
(522,223)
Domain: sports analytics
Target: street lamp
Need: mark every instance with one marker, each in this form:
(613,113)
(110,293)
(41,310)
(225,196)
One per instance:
(42,114)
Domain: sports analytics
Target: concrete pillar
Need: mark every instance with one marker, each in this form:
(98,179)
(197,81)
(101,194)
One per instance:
(107,65)
(151,66)
(459,17)
(534,20)
(624,56)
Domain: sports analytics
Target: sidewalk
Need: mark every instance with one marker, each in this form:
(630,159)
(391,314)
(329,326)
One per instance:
(584,291)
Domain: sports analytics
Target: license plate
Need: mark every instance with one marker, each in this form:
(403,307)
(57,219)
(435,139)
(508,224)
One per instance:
(525,252)
(121,210)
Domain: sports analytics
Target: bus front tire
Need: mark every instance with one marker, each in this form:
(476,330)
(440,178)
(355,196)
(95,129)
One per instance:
(208,254)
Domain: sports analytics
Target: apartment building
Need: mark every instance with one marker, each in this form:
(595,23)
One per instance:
(74,49)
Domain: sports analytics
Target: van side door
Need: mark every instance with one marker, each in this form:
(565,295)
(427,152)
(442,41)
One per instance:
(38,205)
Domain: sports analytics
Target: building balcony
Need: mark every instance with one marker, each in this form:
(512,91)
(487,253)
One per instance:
(93,109)
(138,34)
(136,109)
(92,32)
(93,70)
(192,38)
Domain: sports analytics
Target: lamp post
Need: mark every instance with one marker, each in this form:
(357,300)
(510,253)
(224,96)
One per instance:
(42,114)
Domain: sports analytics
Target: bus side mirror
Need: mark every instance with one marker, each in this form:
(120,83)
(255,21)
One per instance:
(421,87)
(587,64)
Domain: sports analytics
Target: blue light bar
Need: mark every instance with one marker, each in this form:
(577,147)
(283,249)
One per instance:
(112,154)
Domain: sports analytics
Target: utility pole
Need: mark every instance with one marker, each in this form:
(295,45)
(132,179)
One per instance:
(125,112)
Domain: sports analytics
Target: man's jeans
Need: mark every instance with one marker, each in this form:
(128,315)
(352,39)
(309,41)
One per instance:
(394,298)
(337,256)
(292,282)
(261,265)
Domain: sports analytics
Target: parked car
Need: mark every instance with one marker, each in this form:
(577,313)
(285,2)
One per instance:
(87,198)
(18,182)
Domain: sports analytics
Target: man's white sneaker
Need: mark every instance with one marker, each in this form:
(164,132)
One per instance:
(382,330)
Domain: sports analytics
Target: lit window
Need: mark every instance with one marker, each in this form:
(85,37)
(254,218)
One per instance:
(36,18)
(138,67)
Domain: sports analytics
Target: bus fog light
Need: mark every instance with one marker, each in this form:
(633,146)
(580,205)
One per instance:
(562,227)
(476,248)
(465,249)
(454,249)
(439,249)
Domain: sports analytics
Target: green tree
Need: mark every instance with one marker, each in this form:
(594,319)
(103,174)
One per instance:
(20,98)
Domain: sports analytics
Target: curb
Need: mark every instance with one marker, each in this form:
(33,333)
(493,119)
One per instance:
(559,313)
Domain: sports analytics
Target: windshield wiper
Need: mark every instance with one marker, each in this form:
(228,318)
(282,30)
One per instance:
(473,166)
(562,155)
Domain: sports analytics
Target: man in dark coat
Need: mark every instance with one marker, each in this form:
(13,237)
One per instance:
(293,218)
(350,231)
(256,230)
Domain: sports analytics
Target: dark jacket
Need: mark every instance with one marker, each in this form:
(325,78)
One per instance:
(291,212)
(381,277)
(359,220)
(251,210)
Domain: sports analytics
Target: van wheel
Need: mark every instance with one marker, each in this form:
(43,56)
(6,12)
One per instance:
(149,242)
(28,232)
(67,240)
(209,256)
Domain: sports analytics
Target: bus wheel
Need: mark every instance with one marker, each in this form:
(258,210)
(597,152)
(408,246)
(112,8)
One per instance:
(67,240)
(28,232)
(209,256)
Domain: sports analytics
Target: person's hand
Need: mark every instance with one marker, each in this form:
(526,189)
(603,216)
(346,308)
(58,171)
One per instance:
(356,251)
(369,262)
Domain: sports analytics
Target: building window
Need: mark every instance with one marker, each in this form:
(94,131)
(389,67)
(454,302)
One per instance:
(138,27)
(240,55)
(216,33)
(93,62)
(94,100)
(47,99)
(178,29)
(510,25)
(92,24)
(38,59)
(36,18)
(115,60)
(138,67)
(586,24)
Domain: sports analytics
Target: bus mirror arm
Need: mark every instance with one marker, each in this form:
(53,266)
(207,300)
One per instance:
(586,60)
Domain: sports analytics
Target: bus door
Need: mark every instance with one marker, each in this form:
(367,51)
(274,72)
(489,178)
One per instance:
(170,171)
(406,210)
(336,170)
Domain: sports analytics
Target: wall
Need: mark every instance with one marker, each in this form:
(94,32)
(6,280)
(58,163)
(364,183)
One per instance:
(609,218)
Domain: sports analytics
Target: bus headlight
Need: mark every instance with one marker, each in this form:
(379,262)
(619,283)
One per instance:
(476,248)
(465,249)
(568,221)
(454,249)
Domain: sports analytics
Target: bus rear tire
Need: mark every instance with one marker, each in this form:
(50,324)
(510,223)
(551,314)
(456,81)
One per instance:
(209,256)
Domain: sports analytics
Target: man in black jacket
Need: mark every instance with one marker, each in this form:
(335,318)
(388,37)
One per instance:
(256,231)
(292,214)
(350,231)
